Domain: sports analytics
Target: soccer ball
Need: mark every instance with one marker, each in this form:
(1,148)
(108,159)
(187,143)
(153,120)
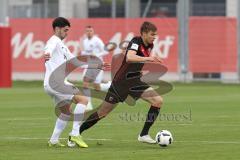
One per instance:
(164,138)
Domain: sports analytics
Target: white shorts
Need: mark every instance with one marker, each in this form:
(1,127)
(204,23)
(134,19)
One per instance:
(95,75)
(62,95)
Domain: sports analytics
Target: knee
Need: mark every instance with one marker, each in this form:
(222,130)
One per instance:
(81,99)
(84,100)
(157,102)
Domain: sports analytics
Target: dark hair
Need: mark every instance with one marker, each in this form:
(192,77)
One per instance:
(60,22)
(89,26)
(148,26)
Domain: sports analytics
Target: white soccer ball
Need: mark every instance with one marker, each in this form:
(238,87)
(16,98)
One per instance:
(164,138)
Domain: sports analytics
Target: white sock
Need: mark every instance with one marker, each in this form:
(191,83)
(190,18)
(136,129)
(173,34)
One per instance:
(61,123)
(105,86)
(78,118)
(89,105)
(87,93)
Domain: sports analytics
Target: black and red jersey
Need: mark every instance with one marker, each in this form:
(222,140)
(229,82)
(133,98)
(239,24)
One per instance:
(133,69)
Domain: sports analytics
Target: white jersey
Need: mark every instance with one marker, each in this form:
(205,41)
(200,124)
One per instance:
(93,46)
(59,54)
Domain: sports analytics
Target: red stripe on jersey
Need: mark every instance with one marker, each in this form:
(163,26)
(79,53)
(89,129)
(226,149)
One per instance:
(145,52)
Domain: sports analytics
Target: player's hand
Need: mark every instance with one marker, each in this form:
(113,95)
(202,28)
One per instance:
(46,56)
(93,57)
(155,59)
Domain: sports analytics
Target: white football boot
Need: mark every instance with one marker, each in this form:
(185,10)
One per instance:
(146,139)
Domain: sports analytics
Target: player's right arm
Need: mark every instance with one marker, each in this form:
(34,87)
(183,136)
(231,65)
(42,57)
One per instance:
(49,48)
(46,56)
(133,57)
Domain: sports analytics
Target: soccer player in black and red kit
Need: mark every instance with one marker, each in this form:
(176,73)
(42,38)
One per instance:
(127,82)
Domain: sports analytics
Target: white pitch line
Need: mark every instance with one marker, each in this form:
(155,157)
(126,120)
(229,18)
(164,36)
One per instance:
(127,140)
(39,138)
(124,123)
(23,119)
(210,142)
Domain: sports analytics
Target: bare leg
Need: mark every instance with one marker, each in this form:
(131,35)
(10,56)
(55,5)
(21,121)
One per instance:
(155,100)
(87,92)
(103,111)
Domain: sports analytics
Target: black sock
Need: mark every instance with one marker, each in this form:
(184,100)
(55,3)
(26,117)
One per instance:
(151,117)
(92,120)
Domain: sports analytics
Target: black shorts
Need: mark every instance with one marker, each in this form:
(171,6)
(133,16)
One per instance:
(119,91)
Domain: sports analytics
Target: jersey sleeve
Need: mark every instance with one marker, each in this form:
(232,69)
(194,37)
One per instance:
(69,55)
(134,44)
(50,47)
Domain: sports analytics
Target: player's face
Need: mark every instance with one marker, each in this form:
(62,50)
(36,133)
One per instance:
(89,32)
(62,32)
(150,36)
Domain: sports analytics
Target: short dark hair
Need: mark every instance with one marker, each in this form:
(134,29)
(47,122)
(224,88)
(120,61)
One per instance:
(89,26)
(148,26)
(60,22)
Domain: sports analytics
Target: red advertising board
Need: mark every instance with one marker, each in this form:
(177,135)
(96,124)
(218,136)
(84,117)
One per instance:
(30,35)
(212,41)
(213,45)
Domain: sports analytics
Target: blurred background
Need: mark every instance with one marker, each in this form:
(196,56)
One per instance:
(197,39)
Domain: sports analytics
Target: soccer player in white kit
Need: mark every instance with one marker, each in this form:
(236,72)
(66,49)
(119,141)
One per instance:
(94,46)
(58,54)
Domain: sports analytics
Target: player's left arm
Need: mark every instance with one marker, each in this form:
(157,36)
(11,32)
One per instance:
(83,60)
(156,56)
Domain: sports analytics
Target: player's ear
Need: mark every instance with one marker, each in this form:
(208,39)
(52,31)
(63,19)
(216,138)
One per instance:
(144,34)
(57,29)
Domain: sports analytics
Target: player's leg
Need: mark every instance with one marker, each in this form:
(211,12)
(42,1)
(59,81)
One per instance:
(86,89)
(105,85)
(110,102)
(63,115)
(99,83)
(60,125)
(155,100)
(79,111)
(87,93)
(102,112)
(97,86)
(97,80)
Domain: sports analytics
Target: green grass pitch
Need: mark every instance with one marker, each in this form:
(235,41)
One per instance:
(204,119)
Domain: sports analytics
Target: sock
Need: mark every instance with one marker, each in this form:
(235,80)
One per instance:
(61,123)
(78,117)
(92,120)
(87,93)
(105,86)
(151,117)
